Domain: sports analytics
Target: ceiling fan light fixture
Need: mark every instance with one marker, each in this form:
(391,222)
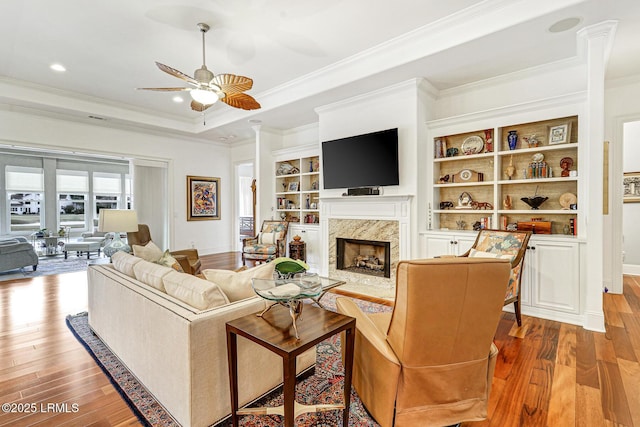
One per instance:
(204,97)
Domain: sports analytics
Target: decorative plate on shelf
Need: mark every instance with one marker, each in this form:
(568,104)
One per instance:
(473,145)
(567,199)
(538,157)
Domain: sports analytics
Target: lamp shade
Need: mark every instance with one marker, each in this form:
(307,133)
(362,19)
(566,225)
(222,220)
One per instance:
(204,97)
(117,220)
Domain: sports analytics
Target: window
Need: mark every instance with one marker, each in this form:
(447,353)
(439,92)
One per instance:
(25,196)
(73,187)
(106,191)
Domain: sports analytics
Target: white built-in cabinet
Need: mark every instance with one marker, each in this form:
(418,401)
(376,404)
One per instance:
(296,198)
(311,236)
(438,244)
(481,164)
(551,276)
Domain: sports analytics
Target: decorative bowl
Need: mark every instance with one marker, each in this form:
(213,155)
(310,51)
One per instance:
(534,202)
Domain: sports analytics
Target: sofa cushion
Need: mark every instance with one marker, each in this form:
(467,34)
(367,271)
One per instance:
(192,290)
(151,274)
(237,285)
(124,262)
(149,252)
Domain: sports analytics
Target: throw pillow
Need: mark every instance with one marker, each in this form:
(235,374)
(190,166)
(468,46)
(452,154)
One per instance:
(149,252)
(196,292)
(168,261)
(237,285)
(267,238)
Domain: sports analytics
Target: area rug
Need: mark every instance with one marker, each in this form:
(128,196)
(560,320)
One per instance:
(325,386)
(47,266)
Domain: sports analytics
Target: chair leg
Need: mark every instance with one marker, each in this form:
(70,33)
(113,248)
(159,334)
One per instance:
(516,306)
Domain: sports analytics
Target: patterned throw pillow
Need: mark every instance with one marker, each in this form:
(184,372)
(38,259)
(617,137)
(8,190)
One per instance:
(168,261)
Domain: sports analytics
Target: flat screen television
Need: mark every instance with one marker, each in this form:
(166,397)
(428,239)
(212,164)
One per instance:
(368,160)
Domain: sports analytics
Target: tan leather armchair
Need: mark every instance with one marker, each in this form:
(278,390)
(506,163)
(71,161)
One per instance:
(188,259)
(430,362)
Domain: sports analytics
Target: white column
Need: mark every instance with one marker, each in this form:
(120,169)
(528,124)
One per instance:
(596,41)
(257,168)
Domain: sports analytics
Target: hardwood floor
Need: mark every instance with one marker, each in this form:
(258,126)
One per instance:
(547,374)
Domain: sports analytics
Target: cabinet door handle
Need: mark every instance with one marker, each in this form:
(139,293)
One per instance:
(533,248)
(452,242)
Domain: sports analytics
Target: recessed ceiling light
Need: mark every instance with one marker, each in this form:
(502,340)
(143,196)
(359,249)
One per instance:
(178,99)
(564,24)
(58,67)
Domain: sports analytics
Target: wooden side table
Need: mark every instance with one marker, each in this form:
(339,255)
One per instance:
(298,249)
(274,331)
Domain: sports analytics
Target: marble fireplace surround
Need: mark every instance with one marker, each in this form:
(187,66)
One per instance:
(379,218)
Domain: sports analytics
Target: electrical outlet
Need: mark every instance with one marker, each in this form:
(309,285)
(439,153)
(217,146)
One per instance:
(193,244)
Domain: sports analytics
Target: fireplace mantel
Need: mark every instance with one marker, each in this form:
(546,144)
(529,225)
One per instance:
(368,209)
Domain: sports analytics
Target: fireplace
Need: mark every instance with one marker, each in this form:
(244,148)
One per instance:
(370,257)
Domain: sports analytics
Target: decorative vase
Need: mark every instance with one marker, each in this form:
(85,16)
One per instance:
(512,138)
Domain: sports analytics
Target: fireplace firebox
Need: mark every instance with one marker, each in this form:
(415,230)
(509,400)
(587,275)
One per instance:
(370,257)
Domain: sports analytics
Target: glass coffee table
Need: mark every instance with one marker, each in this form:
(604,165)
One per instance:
(291,292)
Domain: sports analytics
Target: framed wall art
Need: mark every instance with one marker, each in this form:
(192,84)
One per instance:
(203,198)
(631,182)
(559,134)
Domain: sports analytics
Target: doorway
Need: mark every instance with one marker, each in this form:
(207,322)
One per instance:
(245,203)
(631,199)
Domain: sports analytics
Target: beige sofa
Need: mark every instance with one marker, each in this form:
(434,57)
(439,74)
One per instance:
(177,351)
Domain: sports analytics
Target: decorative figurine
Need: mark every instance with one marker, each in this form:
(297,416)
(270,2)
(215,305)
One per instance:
(446,205)
(565,165)
(452,152)
(488,144)
(532,141)
(461,224)
(510,170)
(512,139)
(464,201)
(507,203)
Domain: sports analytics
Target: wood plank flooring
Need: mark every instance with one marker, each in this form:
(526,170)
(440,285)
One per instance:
(547,374)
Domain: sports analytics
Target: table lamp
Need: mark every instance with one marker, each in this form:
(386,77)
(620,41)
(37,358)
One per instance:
(117,221)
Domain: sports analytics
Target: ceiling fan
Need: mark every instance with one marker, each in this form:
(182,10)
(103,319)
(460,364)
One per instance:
(208,88)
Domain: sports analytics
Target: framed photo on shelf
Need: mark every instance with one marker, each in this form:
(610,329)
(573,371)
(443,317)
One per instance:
(631,182)
(293,186)
(203,198)
(559,134)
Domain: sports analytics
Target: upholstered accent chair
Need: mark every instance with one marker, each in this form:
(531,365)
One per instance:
(188,259)
(511,245)
(270,243)
(430,362)
(17,252)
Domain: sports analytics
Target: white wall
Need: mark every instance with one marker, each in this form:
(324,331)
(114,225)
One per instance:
(185,156)
(392,107)
(631,211)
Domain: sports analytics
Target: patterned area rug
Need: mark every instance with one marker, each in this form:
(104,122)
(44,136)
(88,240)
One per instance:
(325,386)
(47,266)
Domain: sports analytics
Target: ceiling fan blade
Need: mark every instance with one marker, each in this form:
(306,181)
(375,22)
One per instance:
(230,83)
(178,74)
(165,89)
(196,106)
(241,100)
